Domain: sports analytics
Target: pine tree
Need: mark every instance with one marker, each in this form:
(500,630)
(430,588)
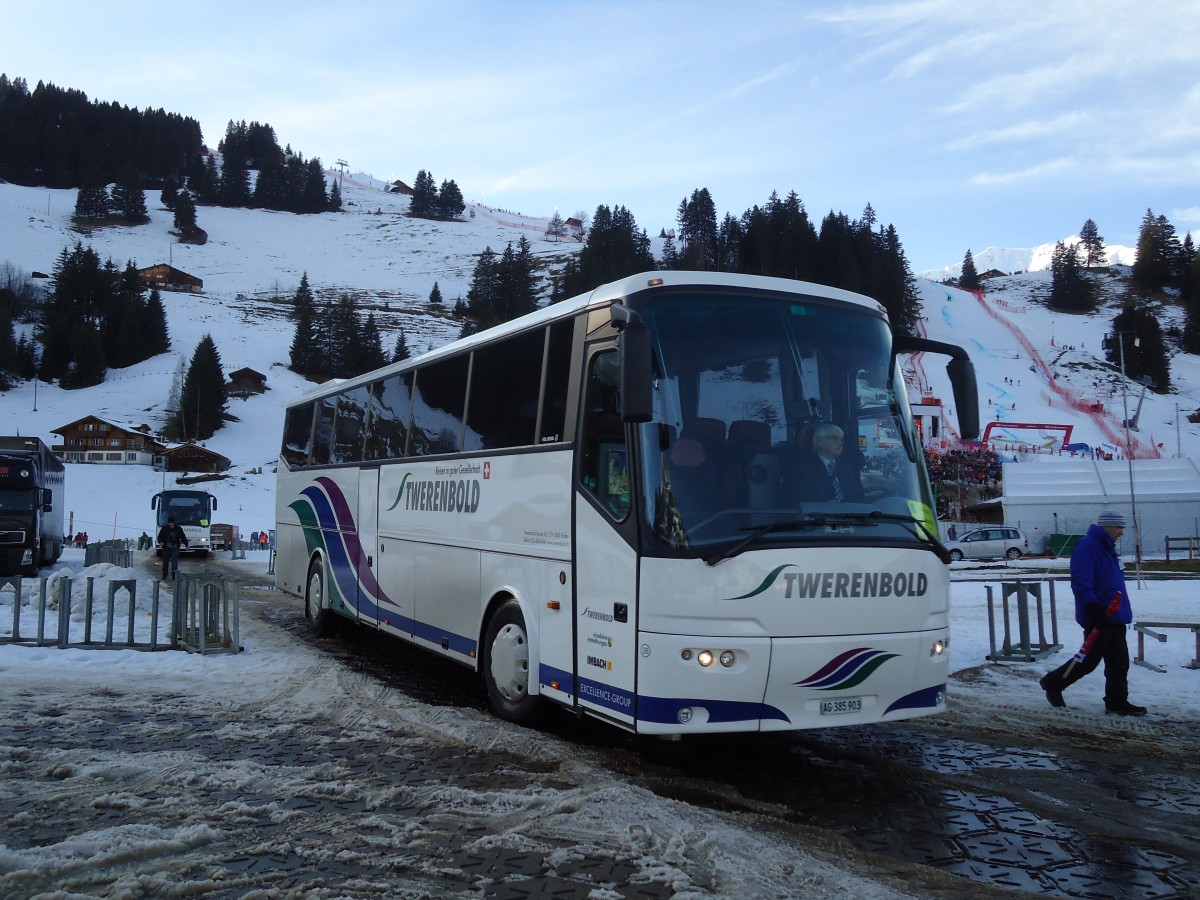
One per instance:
(203,400)
(1069,287)
(371,355)
(341,333)
(235,180)
(556,229)
(156,337)
(698,232)
(170,191)
(968,279)
(400,351)
(483,296)
(314,199)
(1137,328)
(307,357)
(435,295)
(93,201)
(450,201)
(185,213)
(128,197)
(1092,244)
(1190,298)
(1160,259)
(335,197)
(175,390)
(122,331)
(424,201)
(87,351)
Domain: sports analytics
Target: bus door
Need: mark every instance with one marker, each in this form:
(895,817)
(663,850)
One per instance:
(605,561)
(393,564)
(368,544)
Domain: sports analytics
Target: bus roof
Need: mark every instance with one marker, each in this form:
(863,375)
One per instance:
(605,295)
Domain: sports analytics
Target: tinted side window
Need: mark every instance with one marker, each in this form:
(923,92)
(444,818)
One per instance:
(297,431)
(387,425)
(558,373)
(506,379)
(322,447)
(350,425)
(438,403)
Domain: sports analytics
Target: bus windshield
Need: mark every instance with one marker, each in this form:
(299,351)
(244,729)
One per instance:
(777,420)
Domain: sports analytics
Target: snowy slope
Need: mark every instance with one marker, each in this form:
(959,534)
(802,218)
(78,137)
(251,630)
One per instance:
(1011,260)
(1033,365)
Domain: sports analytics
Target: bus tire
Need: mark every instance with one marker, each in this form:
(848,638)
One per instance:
(506,667)
(316,604)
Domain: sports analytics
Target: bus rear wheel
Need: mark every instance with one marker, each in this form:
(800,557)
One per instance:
(316,605)
(506,667)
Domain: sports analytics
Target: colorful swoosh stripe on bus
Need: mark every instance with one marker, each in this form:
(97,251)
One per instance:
(766,582)
(847,670)
(329,525)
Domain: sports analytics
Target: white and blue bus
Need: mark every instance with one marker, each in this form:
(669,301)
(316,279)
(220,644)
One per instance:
(192,510)
(597,506)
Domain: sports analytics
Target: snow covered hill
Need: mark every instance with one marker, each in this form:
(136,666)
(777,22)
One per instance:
(1034,367)
(1012,260)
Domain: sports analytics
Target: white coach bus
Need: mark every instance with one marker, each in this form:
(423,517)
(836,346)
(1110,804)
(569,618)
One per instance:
(603,505)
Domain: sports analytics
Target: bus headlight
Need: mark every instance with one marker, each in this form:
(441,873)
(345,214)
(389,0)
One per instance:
(939,648)
(705,658)
(727,658)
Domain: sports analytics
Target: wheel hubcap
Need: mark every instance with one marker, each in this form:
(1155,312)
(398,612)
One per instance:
(510,663)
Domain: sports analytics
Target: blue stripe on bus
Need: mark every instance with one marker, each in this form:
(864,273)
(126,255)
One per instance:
(655,709)
(666,710)
(926,698)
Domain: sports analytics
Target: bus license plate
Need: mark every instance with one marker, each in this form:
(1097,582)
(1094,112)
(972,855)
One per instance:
(844,705)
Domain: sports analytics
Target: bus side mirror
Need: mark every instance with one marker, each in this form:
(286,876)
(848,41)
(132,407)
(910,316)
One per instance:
(47,500)
(214,500)
(637,373)
(966,396)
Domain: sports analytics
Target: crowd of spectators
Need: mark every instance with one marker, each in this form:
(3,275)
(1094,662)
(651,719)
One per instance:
(962,478)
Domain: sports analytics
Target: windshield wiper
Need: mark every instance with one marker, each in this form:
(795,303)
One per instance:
(755,533)
(816,520)
(875,516)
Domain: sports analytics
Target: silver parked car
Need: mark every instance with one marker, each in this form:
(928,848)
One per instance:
(989,542)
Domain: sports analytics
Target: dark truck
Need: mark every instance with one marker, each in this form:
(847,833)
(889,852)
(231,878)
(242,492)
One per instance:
(224,536)
(32,481)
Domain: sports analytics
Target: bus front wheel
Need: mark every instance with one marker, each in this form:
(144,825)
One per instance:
(316,605)
(506,667)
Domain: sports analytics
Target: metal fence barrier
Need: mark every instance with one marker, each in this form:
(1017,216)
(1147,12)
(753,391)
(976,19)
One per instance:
(1024,648)
(117,553)
(205,616)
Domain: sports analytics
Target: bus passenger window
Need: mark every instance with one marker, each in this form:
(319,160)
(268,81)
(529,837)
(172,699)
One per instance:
(322,446)
(297,431)
(558,375)
(604,461)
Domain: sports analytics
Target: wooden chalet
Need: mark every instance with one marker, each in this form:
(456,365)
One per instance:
(168,278)
(194,458)
(96,440)
(246,381)
(399,187)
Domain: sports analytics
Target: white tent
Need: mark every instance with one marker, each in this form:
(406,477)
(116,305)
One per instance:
(1055,495)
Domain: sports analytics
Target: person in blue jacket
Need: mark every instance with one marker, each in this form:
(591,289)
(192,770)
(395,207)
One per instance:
(1102,609)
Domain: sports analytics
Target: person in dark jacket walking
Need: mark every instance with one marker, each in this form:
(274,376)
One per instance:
(1102,609)
(171,537)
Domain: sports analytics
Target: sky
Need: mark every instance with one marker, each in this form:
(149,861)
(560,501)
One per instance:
(964,124)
